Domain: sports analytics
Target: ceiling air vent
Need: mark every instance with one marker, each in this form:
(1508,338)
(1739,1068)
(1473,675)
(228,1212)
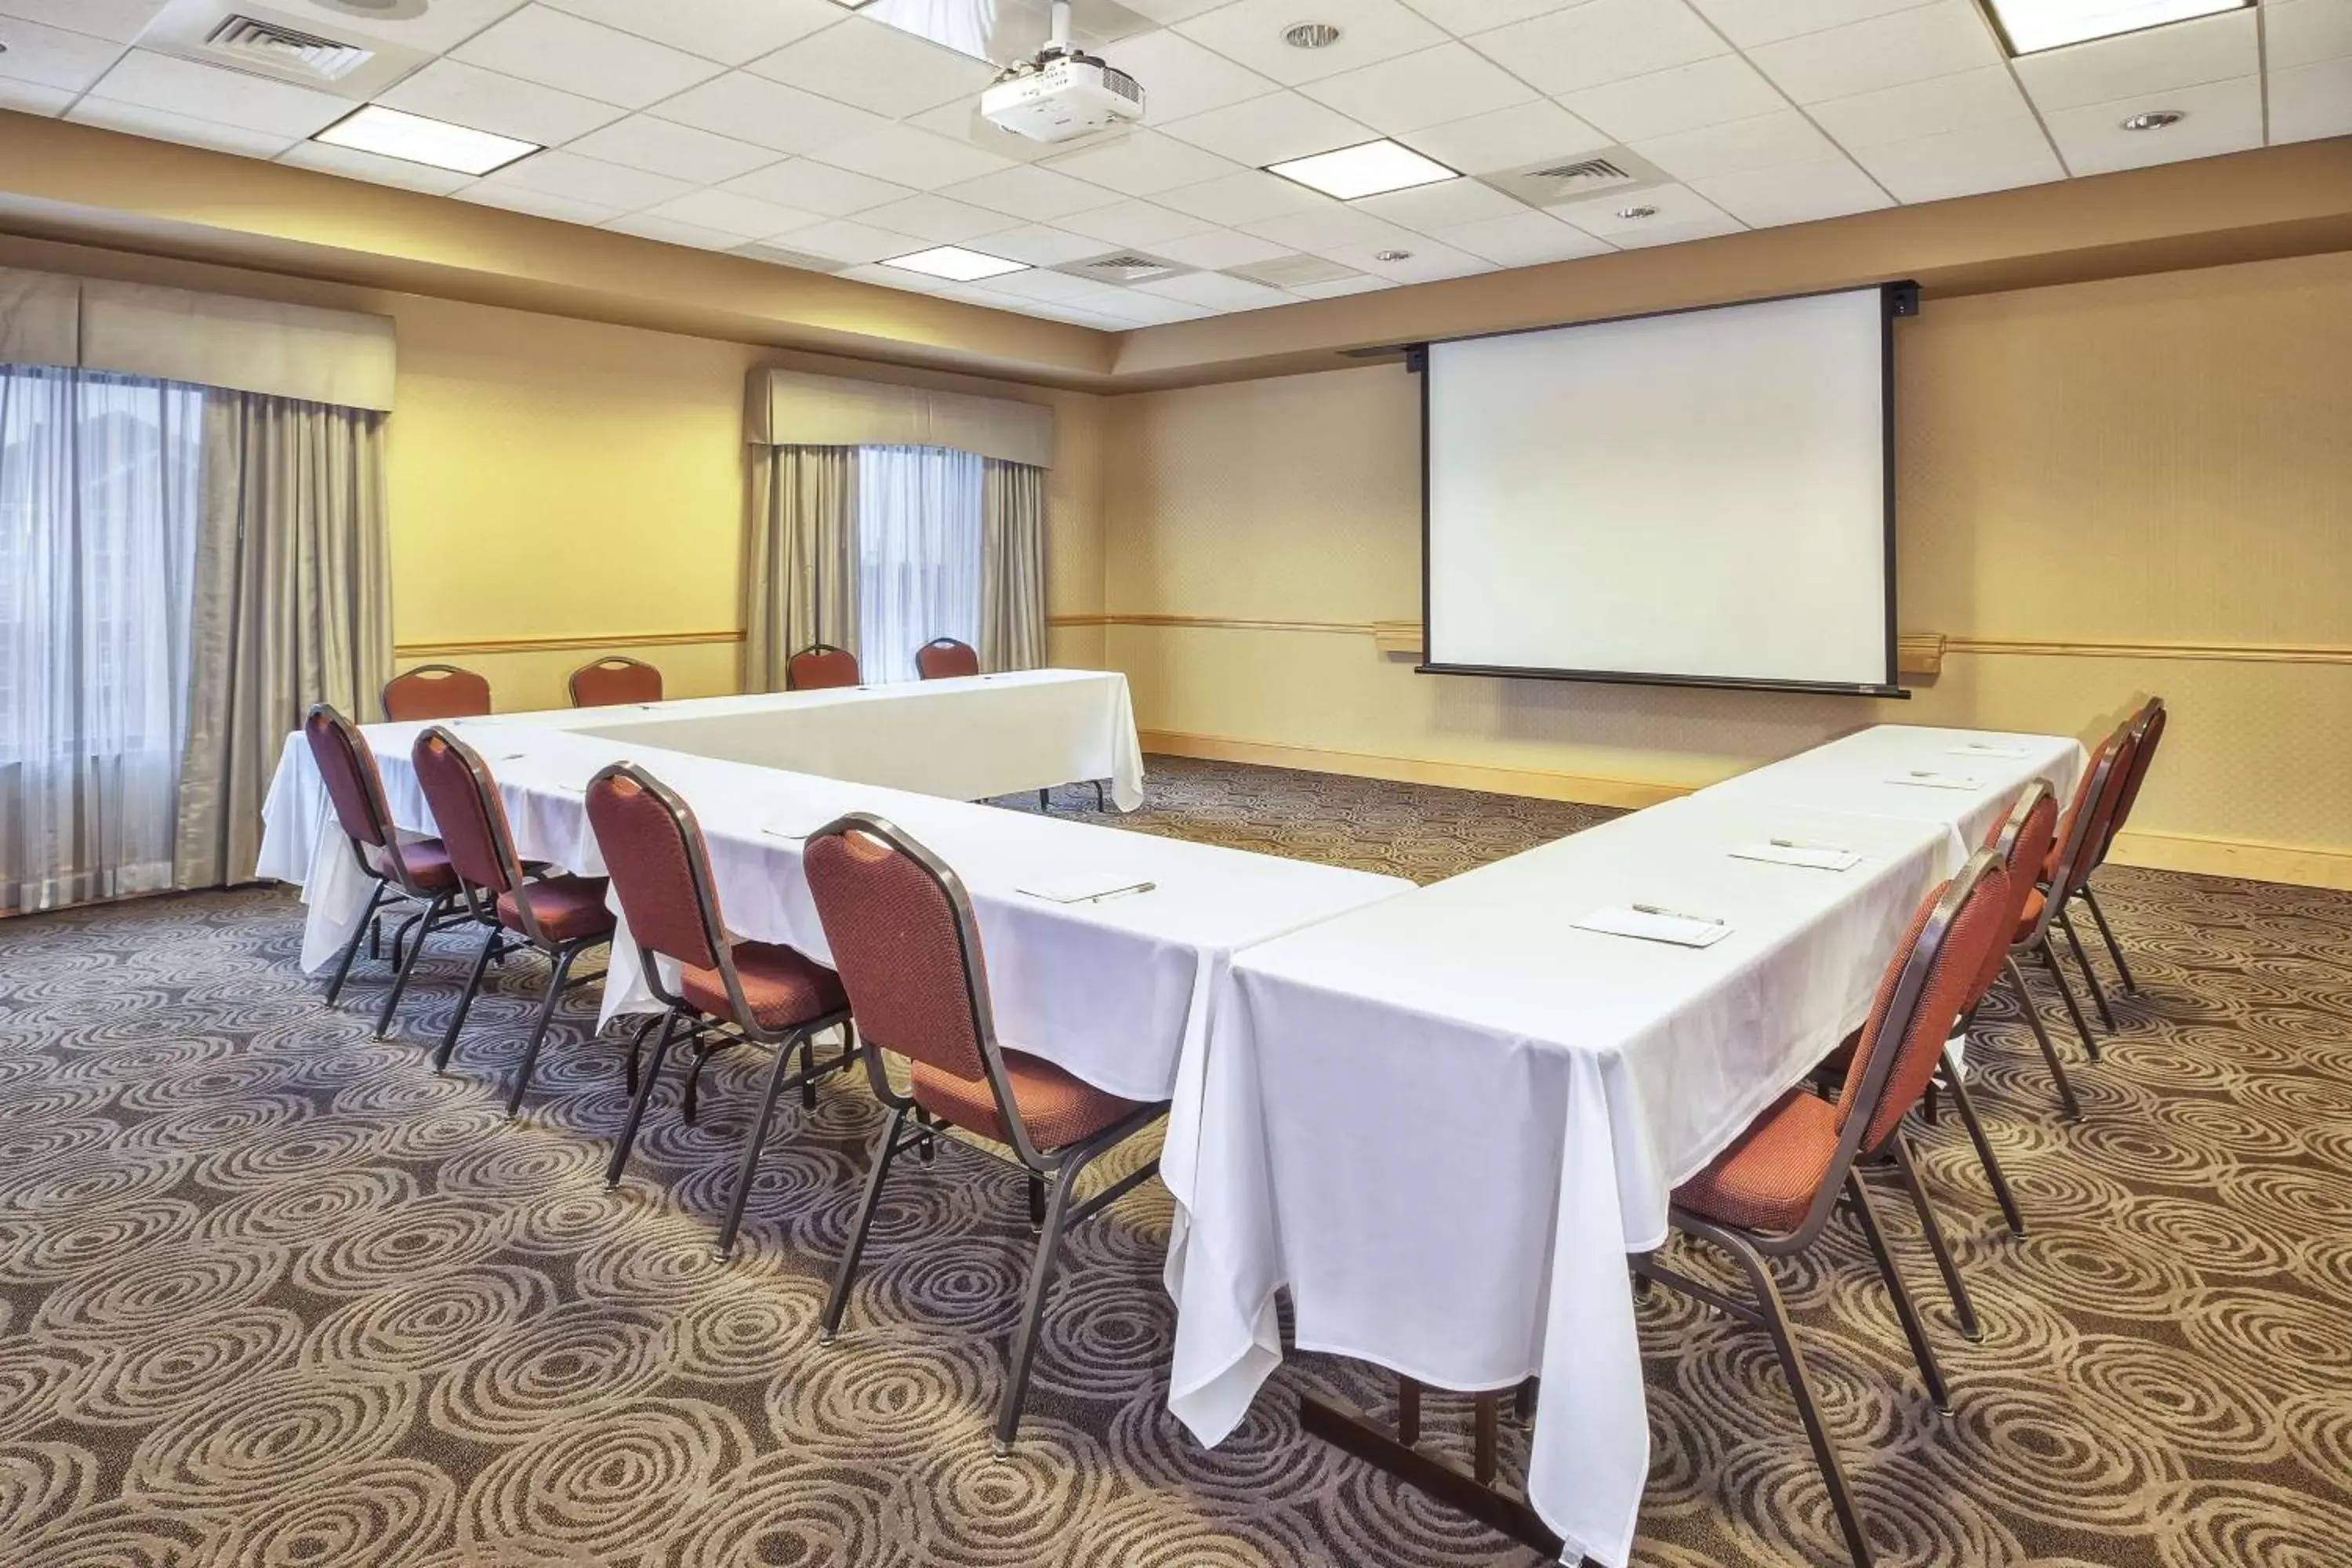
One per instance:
(281,51)
(1590,174)
(1126,269)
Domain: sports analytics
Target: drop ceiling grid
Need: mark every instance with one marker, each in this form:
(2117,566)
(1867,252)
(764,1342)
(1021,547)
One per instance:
(803,127)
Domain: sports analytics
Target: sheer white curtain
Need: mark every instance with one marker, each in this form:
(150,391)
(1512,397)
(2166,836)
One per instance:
(99,499)
(918,554)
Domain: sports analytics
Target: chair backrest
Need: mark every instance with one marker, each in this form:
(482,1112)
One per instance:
(653,852)
(818,666)
(470,817)
(2021,841)
(614,678)
(2148,731)
(2086,828)
(436,691)
(347,765)
(944,659)
(1920,998)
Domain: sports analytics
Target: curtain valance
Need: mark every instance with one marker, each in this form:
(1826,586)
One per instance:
(789,408)
(344,358)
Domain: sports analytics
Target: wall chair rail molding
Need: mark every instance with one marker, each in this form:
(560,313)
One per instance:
(411,650)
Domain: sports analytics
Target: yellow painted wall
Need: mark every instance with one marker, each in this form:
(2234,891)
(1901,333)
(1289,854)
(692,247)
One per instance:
(2161,460)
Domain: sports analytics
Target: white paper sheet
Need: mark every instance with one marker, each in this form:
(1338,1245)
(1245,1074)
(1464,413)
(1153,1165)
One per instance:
(1815,856)
(1683,931)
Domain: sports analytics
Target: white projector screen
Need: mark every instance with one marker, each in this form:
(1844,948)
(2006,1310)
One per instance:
(1704,498)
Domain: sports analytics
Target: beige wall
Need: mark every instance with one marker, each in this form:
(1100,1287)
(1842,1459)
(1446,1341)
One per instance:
(2155,462)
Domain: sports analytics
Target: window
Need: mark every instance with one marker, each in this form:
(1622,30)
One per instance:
(918,554)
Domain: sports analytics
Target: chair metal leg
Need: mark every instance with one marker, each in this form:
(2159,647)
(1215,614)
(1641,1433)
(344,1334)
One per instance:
(2114,948)
(733,1221)
(2071,1107)
(637,1040)
(1045,800)
(1946,1264)
(367,926)
(562,966)
(628,1137)
(375,939)
(1101,802)
(2073,1008)
(2090,975)
(407,968)
(1905,1312)
(884,1152)
(1036,1203)
(687,1103)
(1033,1311)
(1965,1104)
(448,1046)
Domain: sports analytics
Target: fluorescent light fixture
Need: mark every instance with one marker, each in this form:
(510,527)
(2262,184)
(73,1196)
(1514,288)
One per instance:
(954,261)
(1369,169)
(414,139)
(2031,26)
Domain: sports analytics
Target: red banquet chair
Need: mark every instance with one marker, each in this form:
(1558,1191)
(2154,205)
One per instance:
(615,680)
(907,946)
(436,691)
(819,665)
(728,989)
(1772,1193)
(945,659)
(2148,732)
(560,916)
(2064,868)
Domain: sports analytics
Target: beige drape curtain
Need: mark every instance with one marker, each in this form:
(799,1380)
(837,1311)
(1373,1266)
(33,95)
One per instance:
(292,606)
(800,581)
(1012,567)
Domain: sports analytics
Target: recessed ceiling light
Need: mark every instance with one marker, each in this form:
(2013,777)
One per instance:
(414,139)
(955,262)
(1310,35)
(2035,25)
(1637,212)
(2154,120)
(1368,168)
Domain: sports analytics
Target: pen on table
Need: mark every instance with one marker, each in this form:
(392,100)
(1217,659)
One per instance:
(1675,914)
(1115,892)
(1800,844)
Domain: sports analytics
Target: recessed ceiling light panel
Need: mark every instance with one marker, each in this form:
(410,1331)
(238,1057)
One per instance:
(1368,168)
(2031,26)
(953,261)
(414,139)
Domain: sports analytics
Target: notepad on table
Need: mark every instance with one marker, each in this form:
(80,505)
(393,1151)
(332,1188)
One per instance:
(1925,779)
(1987,748)
(1788,852)
(1083,886)
(1656,925)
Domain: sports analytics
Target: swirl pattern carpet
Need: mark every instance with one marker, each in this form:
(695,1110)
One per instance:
(273,1294)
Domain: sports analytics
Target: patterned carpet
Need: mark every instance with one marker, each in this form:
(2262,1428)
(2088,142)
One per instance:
(271,1293)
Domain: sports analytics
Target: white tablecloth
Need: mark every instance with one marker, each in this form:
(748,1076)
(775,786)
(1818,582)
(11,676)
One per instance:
(1857,774)
(1443,1121)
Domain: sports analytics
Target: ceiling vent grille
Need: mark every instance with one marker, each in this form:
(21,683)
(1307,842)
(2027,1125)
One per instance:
(1589,174)
(283,51)
(1127,267)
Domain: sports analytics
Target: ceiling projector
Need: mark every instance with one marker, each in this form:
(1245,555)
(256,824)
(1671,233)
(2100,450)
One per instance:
(1062,94)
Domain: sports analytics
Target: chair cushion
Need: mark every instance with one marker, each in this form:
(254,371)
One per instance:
(1766,1179)
(427,860)
(2028,917)
(784,987)
(1058,1109)
(568,908)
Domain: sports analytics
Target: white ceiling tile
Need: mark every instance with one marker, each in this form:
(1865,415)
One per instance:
(53,57)
(728,31)
(1466,16)
(29,97)
(1432,87)
(1601,40)
(1648,237)
(911,157)
(877,68)
(1794,193)
(1038,195)
(1215,291)
(816,187)
(1336,225)
(1271,128)
(1243,197)
(570,54)
(161,125)
(768,113)
(433,28)
(845,239)
(1747,23)
(2212,48)
(1134,223)
(1963,163)
(1677,206)
(1449,204)
(1786,137)
(485,100)
(354,164)
(1143,164)
(1506,138)
(538,204)
(2310,102)
(1219,248)
(1711,91)
(2304,32)
(1418,260)
(119,20)
(1364,283)
(937,219)
(1040,246)
(1526,239)
(1157,311)
(1887,51)
(2218,117)
(1250,31)
(1182,78)
(665,147)
(1986,95)
(670,231)
(737,214)
(172,85)
(566,173)
(1055,286)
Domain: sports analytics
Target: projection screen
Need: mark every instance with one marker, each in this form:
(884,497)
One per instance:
(1704,498)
